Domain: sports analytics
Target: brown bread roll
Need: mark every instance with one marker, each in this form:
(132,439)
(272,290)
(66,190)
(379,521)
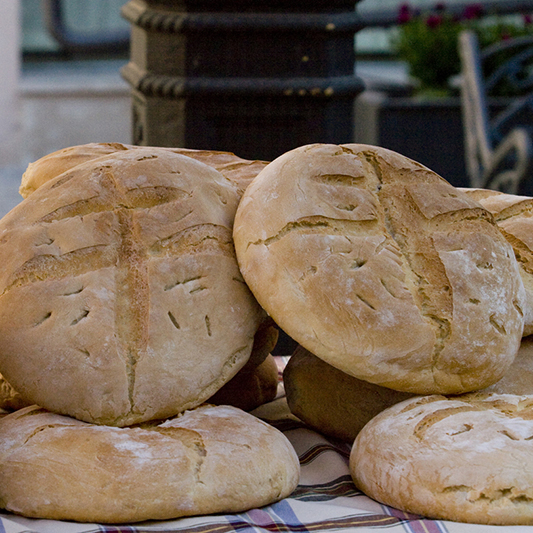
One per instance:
(338,405)
(381,268)
(519,378)
(208,460)
(51,165)
(121,294)
(466,459)
(331,401)
(10,399)
(514,216)
(240,171)
(251,387)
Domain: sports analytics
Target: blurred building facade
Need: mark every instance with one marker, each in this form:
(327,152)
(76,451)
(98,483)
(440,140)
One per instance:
(51,97)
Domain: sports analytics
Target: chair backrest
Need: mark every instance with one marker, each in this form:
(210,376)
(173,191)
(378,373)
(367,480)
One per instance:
(504,69)
(508,66)
(478,146)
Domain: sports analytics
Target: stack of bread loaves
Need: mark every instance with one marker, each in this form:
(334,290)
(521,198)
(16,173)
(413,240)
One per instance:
(137,283)
(405,295)
(123,311)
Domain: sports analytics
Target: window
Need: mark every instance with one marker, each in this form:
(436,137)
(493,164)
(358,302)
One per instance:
(73,27)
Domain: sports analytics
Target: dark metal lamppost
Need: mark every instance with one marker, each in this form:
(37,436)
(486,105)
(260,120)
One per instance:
(254,78)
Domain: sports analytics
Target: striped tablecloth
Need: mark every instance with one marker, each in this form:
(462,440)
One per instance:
(325,500)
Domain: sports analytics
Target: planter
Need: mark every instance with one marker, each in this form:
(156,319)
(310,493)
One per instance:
(429,131)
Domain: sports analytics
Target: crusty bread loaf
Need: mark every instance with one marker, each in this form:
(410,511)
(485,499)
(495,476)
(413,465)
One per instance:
(208,460)
(251,386)
(467,459)
(381,268)
(10,399)
(514,216)
(331,401)
(240,171)
(519,378)
(51,165)
(265,340)
(121,293)
(339,405)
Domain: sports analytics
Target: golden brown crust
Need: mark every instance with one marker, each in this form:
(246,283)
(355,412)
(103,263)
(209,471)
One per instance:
(466,459)
(51,165)
(239,171)
(514,216)
(381,268)
(339,405)
(519,378)
(208,460)
(10,399)
(250,387)
(121,274)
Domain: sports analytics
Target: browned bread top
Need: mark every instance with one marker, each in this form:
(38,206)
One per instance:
(240,171)
(211,459)
(120,290)
(514,216)
(466,459)
(376,264)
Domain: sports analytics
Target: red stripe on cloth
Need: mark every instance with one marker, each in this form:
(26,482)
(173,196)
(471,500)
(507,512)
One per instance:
(416,523)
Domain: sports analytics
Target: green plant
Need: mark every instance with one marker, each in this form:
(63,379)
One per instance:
(428,41)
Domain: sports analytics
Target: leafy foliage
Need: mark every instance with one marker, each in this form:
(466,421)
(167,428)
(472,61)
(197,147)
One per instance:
(428,41)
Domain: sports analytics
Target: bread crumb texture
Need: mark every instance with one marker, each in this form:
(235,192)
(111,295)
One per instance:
(380,267)
(466,458)
(211,459)
(120,274)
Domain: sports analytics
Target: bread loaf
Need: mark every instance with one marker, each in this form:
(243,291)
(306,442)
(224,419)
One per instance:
(339,405)
(381,268)
(251,387)
(240,171)
(51,165)
(120,292)
(466,459)
(514,216)
(10,399)
(519,378)
(207,460)
(331,401)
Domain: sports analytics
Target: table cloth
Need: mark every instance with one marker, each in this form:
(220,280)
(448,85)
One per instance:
(326,500)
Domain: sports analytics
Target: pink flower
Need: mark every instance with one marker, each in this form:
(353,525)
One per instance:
(473,11)
(433,21)
(527,18)
(404,13)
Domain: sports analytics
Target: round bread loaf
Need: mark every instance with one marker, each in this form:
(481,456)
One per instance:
(51,165)
(10,399)
(240,171)
(120,291)
(208,460)
(466,459)
(514,216)
(338,405)
(331,401)
(381,268)
(251,386)
(519,378)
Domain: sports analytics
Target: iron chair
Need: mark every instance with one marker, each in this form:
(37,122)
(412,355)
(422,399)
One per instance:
(498,137)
